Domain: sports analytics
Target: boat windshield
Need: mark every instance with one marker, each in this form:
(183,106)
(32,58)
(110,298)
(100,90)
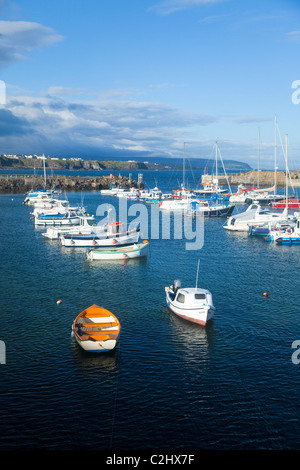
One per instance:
(92,223)
(180,298)
(200,296)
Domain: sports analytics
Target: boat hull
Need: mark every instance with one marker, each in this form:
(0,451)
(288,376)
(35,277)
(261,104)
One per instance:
(213,212)
(288,240)
(96,330)
(57,221)
(133,251)
(98,240)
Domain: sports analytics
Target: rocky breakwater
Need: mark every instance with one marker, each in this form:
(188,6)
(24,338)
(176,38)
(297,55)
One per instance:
(22,184)
(266,178)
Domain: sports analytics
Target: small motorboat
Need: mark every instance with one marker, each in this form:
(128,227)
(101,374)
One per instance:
(211,210)
(96,329)
(192,303)
(67,218)
(87,225)
(135,250)
(256,215)
(286,235)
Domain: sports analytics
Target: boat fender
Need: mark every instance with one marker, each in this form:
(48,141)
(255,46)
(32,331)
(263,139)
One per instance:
(93,242)
(114,241)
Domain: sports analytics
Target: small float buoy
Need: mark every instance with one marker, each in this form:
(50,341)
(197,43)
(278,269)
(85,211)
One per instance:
(265,294)
(59,302)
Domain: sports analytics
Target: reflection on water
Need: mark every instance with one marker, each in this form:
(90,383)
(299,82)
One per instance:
(94,364)
(195,339)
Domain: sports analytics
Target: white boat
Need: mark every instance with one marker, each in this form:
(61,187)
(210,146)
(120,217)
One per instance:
(96,330)
(126,252)
(61,206)
(210,189)
(205,208)
(149,195)
(180,201)
(35,195)
(192,303)
(113,190)
(114,235)
(68,218)
(130,194)
(87,225)
(285,234)
(255,215)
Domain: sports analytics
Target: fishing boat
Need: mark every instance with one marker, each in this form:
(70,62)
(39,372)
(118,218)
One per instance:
(113,190)
(114,235)
(191,303)
(96,329)
(205,208)
(87,225)
(61,206)
(180,201)
(135,250)
(149,195)
(132,194)
(68,218)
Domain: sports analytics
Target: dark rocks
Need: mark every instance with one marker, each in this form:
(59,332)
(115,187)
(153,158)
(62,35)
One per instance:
(22,184)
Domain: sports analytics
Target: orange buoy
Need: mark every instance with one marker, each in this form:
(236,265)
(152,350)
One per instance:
(265,294)
(59,302)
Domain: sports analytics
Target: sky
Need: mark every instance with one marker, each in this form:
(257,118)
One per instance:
(105,79)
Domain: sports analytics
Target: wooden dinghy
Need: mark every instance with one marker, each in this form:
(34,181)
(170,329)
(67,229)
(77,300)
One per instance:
(135,250)
(96,329)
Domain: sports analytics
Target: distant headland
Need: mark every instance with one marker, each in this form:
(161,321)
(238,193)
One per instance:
(36,161)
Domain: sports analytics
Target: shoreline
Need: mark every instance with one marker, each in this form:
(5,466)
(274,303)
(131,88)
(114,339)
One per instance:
(16,184)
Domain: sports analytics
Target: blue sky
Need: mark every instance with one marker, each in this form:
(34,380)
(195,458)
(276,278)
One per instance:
(108,78)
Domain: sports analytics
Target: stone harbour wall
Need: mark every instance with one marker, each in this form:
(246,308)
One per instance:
(21,184)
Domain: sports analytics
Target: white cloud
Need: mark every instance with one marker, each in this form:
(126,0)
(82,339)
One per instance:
(166,7)
(293,35)
(50,124)
(19,37)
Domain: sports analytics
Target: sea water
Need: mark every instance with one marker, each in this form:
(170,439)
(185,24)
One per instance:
(170,384)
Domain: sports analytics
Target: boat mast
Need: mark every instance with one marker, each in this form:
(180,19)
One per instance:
(286,174)
(44,171)
(197,272)
(216,162)
(275,157)
(183,177)
(258,157)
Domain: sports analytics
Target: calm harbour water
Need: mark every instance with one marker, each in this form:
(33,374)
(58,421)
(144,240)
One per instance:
(170,384)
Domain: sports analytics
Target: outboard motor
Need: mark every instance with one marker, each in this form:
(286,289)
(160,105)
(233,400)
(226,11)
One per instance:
(177,285)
